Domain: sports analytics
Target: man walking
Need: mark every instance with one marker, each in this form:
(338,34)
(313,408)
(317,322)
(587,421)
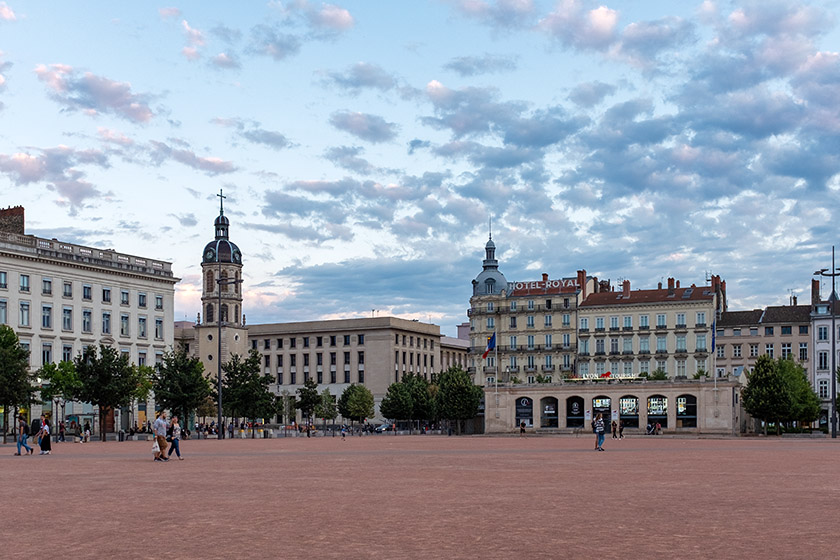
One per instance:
(160,427)
(23,434)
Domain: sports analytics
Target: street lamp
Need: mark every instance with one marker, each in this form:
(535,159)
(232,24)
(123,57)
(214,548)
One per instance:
(831,302)
(221,282)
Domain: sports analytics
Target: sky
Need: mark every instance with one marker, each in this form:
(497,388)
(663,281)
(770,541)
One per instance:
(364,147)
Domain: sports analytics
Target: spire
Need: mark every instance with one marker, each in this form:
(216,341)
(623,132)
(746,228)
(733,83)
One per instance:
(222,198)
(222,222)
(491,228)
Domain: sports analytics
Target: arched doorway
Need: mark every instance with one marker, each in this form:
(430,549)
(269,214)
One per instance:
(657,410)
(628,411)
(686,411)
(602,405)
(548,412)
(574,412)
(525,411)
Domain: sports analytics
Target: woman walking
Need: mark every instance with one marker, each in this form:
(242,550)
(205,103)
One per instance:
(615,429)
(44,437)
(599,431)
(176,439)
(23,435)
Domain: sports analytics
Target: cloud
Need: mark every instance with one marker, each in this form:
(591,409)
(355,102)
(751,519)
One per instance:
(6,13)
(4,66)
(114,137)
(499,13)
(372,128)
(254,133)
(417,144)
(167,13)
(227,34)
(363,75)
(331,18)
(209,165)
(576,27)
(271,42)
(348,158)
(469,111)
(94,94)
(225,60)
(186,220)
(477,65)
(589,94)
(195,40)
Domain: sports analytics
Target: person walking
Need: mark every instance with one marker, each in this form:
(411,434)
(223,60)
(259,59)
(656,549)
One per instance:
(61,431)
(615,429)
(23,435)
(621,429)
(176,439)
(230,430)
(160,426)
(599,432)
(44,437)
(86,433)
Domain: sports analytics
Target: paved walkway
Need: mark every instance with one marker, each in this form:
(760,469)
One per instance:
(427,497)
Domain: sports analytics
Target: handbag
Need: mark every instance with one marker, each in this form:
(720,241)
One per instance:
(155,447)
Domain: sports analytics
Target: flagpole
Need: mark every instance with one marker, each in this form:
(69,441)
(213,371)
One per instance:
(496,377)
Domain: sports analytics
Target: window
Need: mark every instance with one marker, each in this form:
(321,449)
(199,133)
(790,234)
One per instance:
(513,362)
(643,322)
(613,346)
(141,327)
(530,304)
(822,360)
(46,316)
(644,344)
(753,350)
(681,368)
(124,325)
(823,388)
(67,353)
(566,319)
(627,345)
(822,333)
(68,289)
(293,342)
(106,323)
(681,320)
(584,323)
(736,350)
(768,348)
(346,358)
(347,376)
(266,344)
(644,366)
(599,346)
(24,282)
(346,340)
(567,340)
(306,360)
(700,343)
(123,297)
(583,370)
(491,323)
(768,331)
(360,338)
(361,358)
(736,332)
(306,342)
(529,321)
(530,342)
(787,329)
(628,368)
(87,292)
(661,344)
(4,314)
(548,342)
(628,321)
(24,314)
(513,306)
(158,328)
(46,286)
(700,319)
(332,359)
(786,349)
(753,331)
(600,368)
(662,365)
(599,323)
(584,347)
(106,295)
(489,306)
(613,323)
(67,319)
(87,320)
(46,353)
(681,347)
(803,329)
(548,320)
(4,280)
(720,353)
(803,351)
(158,302)
(548,361)
(141,299)
(660,321)
(513,322)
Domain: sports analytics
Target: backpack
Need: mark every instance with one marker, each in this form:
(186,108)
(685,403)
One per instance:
(593,426)
(25,429)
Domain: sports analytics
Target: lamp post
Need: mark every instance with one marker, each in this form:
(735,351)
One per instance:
(221,282)
(831,302)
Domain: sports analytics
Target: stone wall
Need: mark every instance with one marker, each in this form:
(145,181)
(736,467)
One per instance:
(11,220)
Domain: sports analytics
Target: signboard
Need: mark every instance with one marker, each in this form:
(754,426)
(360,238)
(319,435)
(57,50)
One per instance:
(587,415)
(615,415)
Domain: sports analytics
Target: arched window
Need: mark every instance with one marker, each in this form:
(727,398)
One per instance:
(686,411)
(223,314)
(235,313)
(628,411)
(548,412)
(574,412)
(237,285)
(525,411)
(490,286)
(223,277)
(208,313)
(208,283)
(657,410)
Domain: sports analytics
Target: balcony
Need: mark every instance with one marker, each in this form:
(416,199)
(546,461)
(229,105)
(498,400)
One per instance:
(583,354)
(583,330)
(699,325)
(644,351)
(599,329)
(644,327)
(548,368)
(627,329)
(681,327)
(614,352)
(628,352)
(658,352)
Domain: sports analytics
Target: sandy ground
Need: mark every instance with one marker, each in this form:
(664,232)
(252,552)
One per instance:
(426,497)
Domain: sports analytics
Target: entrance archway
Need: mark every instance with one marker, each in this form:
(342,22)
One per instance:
(548,412)
(628,411)
(602,405)
(574,412)
(657,410)
(525,411)
(686,411)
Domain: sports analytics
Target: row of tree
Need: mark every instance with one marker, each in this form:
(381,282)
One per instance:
(778,391)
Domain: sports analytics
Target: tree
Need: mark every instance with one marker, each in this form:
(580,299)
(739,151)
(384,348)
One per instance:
(806,403)
(207,408)
(61,382)
(326,407)
(422,404)
(658,375)
(457,398)
(15,379)
(397,403)
(179,383)
(356,403)
(245,391)
(107,380)
(308,398)
(778,391)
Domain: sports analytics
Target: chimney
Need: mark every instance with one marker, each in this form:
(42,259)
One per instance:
(815,291)
(12,220)
(794,300)
(581,280)
(625,288)
(659,286)
(545,277)
(678,283)
(670,283)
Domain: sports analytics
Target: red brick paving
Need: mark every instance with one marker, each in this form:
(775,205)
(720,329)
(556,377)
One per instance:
(427,497)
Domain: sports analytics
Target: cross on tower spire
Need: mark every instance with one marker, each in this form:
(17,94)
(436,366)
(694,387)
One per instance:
(222,198)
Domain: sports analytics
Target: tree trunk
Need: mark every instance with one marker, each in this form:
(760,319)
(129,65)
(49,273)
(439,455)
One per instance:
(5,423)
(102,413)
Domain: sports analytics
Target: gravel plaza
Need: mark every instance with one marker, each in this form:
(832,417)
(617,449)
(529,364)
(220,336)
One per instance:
(427,497)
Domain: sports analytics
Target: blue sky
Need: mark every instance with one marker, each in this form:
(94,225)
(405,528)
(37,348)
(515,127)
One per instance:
(363,146)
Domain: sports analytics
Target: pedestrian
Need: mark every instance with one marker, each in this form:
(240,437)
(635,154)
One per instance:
(44,437)
(658,429)
(615,429)
(23,435)
(61,431)
(176,439)
(230,430)
(599,432)
(343,432)
(621,429)
(86,435)
(160,426)
(522,428)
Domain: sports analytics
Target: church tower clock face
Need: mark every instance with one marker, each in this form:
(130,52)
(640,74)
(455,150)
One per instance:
(210,254)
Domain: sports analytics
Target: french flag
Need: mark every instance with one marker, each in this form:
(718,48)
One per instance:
(491,343)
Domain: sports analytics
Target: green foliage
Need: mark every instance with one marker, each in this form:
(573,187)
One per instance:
(356,403)
(245,391)
(208,407)
(107,380)
(397,402)
(457,398)
(179,383)
(658,375)
(701,373)
(15,379)
(326,408)
(308,398)
(515,380)
(61,379)
(779,391)
(286,407)
(543,378)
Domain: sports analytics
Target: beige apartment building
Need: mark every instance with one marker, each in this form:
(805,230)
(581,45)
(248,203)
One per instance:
(533,323)
(61,297)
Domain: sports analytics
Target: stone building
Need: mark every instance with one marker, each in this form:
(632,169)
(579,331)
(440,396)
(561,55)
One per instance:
(61,297)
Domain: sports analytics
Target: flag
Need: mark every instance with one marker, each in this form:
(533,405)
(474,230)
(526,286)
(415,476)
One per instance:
(491,343)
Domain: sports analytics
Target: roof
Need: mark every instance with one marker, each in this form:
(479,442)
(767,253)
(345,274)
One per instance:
(640,297)
(787,314)
(739,318)
(567,286)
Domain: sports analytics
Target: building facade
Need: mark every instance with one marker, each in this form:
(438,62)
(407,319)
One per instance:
(62,297)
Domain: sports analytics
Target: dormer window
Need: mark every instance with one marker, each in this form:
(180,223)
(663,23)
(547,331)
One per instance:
(490,286)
